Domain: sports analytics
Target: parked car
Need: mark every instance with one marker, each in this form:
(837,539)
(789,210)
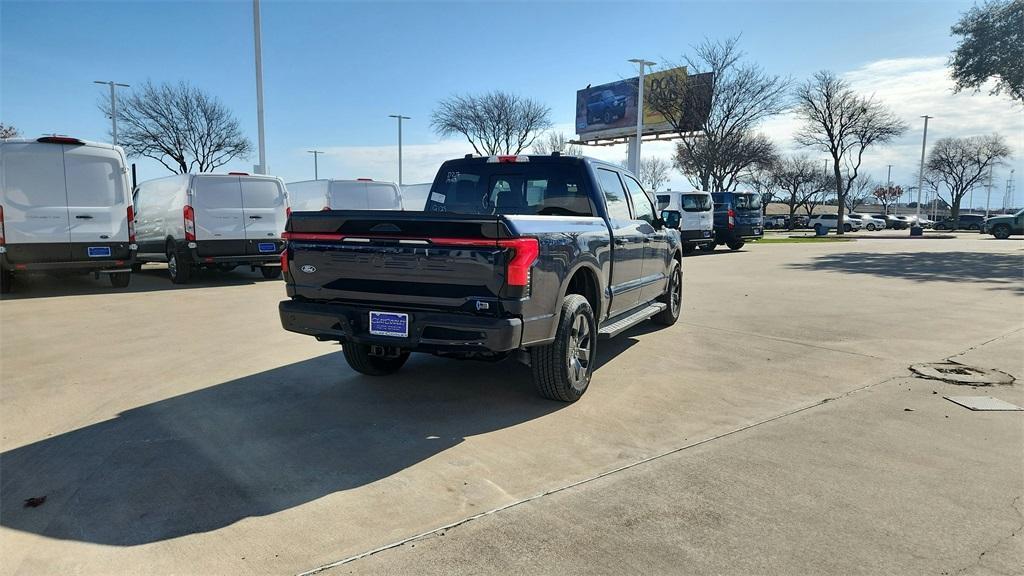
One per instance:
(696,209)
(967,222)
(868,222)
(1003,226)
(884,218)
(529,256)
(897,222)
(922,220)
(358,194)
(64,207)
(773,222)
(605,107)
(217,221)
(737,218)
(831,221)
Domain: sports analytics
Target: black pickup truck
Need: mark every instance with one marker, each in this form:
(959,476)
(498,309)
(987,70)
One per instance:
(531,256)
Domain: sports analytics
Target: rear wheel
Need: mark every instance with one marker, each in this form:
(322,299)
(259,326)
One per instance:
(271,272)
(817,229)
(178,268)
(120,279)
(359,358)
(1001,231)
(847,228)
(226,267)
(709,246)
(688,248)
(6,281)
(136,267)
(735,244)
(673,299)
(871,227)
(607,117)
(562,369)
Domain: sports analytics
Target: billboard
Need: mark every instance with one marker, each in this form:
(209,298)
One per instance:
(609,110)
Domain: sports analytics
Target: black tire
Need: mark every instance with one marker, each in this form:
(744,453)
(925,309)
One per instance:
(847,228)
(136,267)
(688,248)
(562,369)
(271,272)
(6,281)
(1001,231)
(709,246)
(871,227)
(735,244)
(120,279)
(226,267)
(178,267)
(817,229)
(358,357)
(608,117)
(673,298)
(974,227)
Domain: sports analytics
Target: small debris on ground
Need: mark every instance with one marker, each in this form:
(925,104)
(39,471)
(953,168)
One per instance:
(34,502)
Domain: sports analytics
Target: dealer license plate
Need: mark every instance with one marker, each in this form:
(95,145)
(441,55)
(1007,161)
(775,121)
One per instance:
(393,324)
(267,247)
(99,251)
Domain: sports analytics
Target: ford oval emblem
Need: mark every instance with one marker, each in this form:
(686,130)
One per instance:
(308,269)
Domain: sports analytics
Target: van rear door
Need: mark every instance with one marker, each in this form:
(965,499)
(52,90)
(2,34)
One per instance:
(97,202)
(217,202)
(35,202)
(265,213)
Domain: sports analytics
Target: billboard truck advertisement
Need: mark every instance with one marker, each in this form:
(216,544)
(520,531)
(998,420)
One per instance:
(609,110)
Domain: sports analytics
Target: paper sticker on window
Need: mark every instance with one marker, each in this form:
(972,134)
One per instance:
(437,197)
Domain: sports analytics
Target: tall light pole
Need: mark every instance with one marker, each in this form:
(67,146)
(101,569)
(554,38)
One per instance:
(888,188)
(262,168)
(113,106)
(316,170)
(400,118)
(920,174)
(643,64)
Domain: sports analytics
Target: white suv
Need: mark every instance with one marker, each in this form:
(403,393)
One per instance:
(829,221)
(868,221)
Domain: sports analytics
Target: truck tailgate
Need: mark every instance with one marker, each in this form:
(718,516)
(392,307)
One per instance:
(398,259)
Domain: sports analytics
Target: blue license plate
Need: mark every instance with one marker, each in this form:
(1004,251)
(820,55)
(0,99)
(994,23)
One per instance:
(707,233)
(389,324)
(267,247)
(99,251)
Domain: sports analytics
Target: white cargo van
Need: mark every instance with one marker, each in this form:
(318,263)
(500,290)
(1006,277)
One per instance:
(414,196)
(697,221)
(360,194)
(216,221)
(64,207)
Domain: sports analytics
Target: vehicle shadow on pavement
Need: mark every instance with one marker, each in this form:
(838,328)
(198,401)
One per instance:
(1003,271)
(148,280)
(255,446)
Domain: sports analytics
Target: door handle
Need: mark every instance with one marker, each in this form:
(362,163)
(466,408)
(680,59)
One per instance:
(256,217)
(84,217)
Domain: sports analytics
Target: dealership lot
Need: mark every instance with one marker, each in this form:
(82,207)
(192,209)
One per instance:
(180,429)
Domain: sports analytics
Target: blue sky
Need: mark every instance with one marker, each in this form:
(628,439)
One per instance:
(333,71)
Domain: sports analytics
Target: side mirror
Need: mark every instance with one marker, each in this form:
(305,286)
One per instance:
(672,218)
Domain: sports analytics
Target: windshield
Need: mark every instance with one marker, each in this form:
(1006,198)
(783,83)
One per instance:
(697,203)
(510,188)
(748,202)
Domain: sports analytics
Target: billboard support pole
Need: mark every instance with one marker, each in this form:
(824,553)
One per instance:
(635,157)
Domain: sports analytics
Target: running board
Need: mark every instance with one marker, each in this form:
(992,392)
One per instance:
(633,319)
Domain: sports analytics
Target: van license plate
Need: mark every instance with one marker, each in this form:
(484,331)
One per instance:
(389,324)
(757,230)
(707,233)
(99,251)
(267,247)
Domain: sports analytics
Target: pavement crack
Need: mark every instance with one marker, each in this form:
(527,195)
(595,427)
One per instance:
(780,339)
(1000,542)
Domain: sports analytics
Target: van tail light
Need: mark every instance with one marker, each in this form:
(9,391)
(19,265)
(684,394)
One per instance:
(288,212)
(3,235)
(732,219)
(190,223)
(525,253)
(131,225)
(325,209)
(284,259)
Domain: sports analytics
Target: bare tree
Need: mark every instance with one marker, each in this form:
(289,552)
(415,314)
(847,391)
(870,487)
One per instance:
(859,192)
(654,172)
(991,48)
(844,124)
(887,195)
(734,96)
(493,123)
(555,142)
(761,180)
(962,163)
(801,183)
(179,126)
(8,131)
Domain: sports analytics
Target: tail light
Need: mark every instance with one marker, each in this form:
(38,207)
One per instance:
(288,212)
(732,218)
(325,209)
(3,236)
(190,223)
(131,225)
(284,259)
(525,252)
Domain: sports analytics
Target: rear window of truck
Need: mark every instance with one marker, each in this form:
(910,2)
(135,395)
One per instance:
(510,188)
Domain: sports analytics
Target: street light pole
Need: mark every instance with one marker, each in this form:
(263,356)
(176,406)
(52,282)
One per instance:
(316,170)
(113,106)
(888,189)
(262,168)
(643,64)
(920,174)
(399,117)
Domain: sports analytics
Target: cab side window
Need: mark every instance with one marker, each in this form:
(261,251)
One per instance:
(642,207)
(614,195)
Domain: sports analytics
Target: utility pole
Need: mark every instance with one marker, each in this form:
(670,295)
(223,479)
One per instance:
(316,170)
(399,117)
(113,106)
(920,174)
(262,167)
(635,157)
(888,189)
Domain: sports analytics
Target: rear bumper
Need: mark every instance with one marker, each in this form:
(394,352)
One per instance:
(26,262)
(428,331)
(697,236)
(271,259)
